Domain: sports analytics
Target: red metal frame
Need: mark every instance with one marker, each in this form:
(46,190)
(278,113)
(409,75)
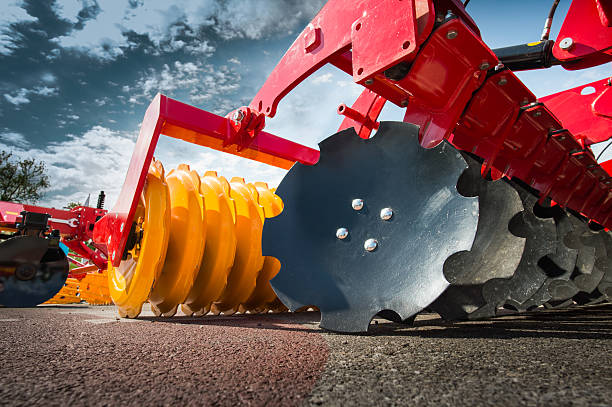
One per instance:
(75,226)
(175,119)
(453,89)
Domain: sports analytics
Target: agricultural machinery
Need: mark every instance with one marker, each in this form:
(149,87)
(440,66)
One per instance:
(484,197)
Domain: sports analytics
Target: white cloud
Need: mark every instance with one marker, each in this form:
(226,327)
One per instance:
(12,13)
(22,95)
(324,78)
(202,81)
(19,98)
(176,25)
(14,139)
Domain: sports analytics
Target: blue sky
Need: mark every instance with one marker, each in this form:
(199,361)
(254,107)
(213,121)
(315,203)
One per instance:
(77,75)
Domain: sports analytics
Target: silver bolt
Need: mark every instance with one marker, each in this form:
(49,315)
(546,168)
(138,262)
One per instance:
(342,233)
(386,213)
(357,204)
(484,66)
(502,81)
(370,245)
(566,43)
(369,81)
(452,34)
(238,116)
(561,138)
(537,113)
(404,102)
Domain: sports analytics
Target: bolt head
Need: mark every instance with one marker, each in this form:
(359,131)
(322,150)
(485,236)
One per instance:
(452,34)
(484,66)
(238,116)
(369,81)
(566,43)
(502,81)
(537,113)
(357,204)
(386,213)
(370,245)
(342,233)
(404,102)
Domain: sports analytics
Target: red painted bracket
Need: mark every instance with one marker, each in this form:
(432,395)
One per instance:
(585,38)
(364,123)
(178,120)
(586,111)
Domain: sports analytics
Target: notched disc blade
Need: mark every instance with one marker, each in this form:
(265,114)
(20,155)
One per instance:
(48,265)
(430,221)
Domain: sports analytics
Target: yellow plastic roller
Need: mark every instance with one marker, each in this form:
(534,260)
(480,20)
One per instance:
(220,248)
(94,289)
(186,244)
(263,297)
(248,260)
(68,294)
(130,283)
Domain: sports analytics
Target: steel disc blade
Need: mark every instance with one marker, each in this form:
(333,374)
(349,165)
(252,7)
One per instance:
(404,273)
(48,264)
(540,234)
(496,252)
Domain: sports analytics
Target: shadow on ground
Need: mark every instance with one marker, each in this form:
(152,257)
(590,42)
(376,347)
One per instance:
(587,322)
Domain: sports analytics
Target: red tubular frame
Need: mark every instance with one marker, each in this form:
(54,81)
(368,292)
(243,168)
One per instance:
(453,90)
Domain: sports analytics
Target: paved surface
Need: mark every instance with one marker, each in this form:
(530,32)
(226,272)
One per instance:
(55,355)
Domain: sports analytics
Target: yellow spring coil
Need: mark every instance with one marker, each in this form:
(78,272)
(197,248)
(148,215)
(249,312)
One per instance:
(199,247)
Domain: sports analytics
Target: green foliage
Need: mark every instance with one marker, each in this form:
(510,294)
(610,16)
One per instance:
(21,181)
(71,205)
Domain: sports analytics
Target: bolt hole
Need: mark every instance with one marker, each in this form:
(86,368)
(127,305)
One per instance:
(406,44)
(340,108)
(359,71)
(260,105)
(268,109)
(587,90)
(358,27)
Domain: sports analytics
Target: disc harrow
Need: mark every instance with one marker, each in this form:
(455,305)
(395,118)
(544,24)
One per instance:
(196,243)
(486,199)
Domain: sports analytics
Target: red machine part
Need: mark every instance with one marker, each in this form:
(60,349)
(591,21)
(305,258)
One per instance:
(586,111)
(447,79)
(175,119)
(75,226)
(585,38)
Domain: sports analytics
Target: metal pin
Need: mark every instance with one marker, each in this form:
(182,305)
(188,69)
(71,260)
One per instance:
(386,213)
(452,34)
(357,204)
(484,66)
(342,233)
(566,43)
(370,245)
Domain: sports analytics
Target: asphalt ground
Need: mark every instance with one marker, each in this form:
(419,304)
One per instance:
(84,355)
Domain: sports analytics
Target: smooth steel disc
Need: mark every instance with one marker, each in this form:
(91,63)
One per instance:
(33,271)
(404,271)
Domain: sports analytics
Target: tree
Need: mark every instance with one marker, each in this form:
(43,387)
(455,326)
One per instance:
(23,180)
(72,205)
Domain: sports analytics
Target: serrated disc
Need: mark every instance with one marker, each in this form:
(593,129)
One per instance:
(404,274)
(495,253)
(540,234)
